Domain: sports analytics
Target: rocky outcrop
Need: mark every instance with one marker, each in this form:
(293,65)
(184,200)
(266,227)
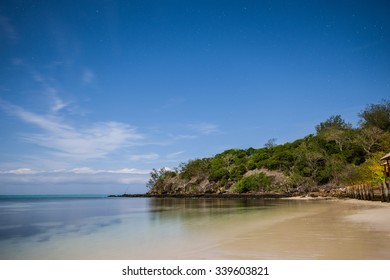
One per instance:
(175,185)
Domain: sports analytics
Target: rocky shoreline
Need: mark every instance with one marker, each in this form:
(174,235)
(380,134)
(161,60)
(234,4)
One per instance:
(215,195)
(320,193)
(269,195)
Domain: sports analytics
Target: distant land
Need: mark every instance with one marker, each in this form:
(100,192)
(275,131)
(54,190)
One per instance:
(323,164)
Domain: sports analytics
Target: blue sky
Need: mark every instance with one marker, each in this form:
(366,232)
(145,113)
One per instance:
(94,94)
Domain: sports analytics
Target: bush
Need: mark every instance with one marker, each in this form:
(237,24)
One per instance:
(255,182)
(237,172)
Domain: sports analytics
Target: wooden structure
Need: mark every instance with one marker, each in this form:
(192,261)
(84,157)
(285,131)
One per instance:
(386,182)
(386,165)
(374,192)
(380,191)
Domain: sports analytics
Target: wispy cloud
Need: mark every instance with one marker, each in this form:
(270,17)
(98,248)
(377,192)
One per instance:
(174,155)
(184,137)
(16,61)
(58,104)
(76,175)
(19,171)
(48,86)
(171,104)
(96,140)
(7,30)
(204,128)
(88,76)
(144,157)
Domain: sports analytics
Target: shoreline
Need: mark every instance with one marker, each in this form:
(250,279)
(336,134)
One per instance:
(307,196)
(208,195)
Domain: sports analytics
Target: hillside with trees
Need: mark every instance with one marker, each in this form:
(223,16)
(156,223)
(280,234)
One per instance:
(337,155)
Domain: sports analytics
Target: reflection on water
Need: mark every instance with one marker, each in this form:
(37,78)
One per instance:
(184,209)
(29,217)
(142,228)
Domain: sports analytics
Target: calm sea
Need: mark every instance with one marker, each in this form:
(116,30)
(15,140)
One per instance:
(85,227)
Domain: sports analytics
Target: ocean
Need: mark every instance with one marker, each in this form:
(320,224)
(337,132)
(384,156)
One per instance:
(97,227)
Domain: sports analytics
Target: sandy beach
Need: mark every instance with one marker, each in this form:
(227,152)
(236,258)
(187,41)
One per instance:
(332,229)
(313,228)
(377,217)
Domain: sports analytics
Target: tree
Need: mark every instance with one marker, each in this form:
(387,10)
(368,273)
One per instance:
(270,143)
(195,168)
(369,137)
(337,130)
(334,122)
(371,171)
(156,181)
(377,115)
(336,165)
(341,137)
(154,176)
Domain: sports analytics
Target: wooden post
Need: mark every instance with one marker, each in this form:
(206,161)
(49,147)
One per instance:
(383,190)
(388,168)
(369,190)
(366,192)
(387,185)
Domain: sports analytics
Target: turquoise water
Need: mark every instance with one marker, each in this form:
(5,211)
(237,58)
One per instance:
(74,227)
(53,196)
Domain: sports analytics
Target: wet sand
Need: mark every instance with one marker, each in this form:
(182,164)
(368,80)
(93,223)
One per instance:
(332,229)
(341,230)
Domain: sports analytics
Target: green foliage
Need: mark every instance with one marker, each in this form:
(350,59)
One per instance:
(237,172)
(370,171)
(369,139)
(158,177)
(377,115)
(195,168)
(219,174)
(253,183)
(251,165)
(337,154)
(333,123)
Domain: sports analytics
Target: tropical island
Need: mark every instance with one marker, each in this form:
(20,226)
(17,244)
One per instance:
(326,163)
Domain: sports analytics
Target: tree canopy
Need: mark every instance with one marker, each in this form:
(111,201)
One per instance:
(377,115)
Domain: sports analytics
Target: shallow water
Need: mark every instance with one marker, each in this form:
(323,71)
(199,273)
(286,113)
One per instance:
(148,228)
